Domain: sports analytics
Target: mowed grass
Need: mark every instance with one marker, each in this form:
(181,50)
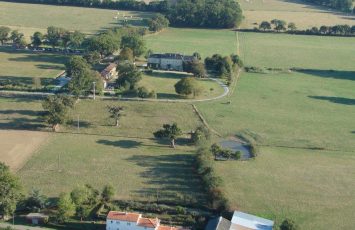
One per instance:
(187,41)
(286,51)
(163,85)
(22,66)
(314,188)
(304,15)
(290,109)
(128,157)
(29,18)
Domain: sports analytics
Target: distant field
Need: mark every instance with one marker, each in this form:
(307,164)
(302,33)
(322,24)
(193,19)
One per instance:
(315,188)
(163,85)
(29,18)
(187,41)
(285,51)
(127,157)
(22,66)
(304,15)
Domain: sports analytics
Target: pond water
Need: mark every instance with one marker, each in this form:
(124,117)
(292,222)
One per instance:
(236,146)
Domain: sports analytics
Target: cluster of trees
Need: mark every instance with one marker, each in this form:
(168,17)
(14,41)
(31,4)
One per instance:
(205,13)
(155,6)
(188,86)
(158,23)
(222,153)
(17,38)
(224,67)
(343,5)
(281,25)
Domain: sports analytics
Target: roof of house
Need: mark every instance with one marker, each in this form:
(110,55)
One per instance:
(147,222)
(218,223)
(124,216)
(164,227)
(244,221)
(36,216)
(108,69)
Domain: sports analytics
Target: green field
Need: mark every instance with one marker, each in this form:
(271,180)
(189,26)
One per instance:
(29,18)
(187,41)
(163,85)
(285,51)
(127,157)
(304,15)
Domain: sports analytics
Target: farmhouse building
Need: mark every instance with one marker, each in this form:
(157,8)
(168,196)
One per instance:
(36,218)
(109,73)
(169,61)
(240,221)
(133,221)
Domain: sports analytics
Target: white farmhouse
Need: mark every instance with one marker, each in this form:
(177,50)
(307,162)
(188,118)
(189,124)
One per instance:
(169,61)
(133,221)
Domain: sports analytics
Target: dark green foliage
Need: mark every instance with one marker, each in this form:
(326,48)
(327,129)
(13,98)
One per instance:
(66,208)
(54,35)
(135,43)
(106,43)
(200,135)
(4,34)
(129,75)
(92,57)
(18,39)
(344,5)
(188,86)
(126,54)
(143,92)
(35,201)
(107,194)
(205,13)
(280,25)
(57,107)
(171,132)
(158,23)
(10,191)
(236,155)
(37,39)
(288,224)
(265,25)
(115,113)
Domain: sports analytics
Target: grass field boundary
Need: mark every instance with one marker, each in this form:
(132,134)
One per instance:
(306,148)
(204,122)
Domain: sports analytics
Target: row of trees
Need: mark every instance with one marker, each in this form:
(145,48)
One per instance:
(343,5)
(281,25)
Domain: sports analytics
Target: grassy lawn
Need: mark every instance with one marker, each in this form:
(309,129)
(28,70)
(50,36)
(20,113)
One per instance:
(127,157)
(304,15)
(315,188)
(285,51)
(29,18)
(163,85)
(187,41)
(22,66)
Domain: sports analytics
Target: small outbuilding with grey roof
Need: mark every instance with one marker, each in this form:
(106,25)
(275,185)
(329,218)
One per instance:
(244,221)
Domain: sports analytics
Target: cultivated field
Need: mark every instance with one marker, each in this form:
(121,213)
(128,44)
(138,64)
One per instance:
(305,16)
(29,18)
(285,51)
(163,85)
(127,157)
(187,41)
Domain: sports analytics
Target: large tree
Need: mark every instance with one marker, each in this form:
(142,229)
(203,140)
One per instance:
(135,43)
(158,22)
(17,38)
(128,75)
(57,107)
(265,25)
(37,39)
(171,132)
(35,201)
(4,34)
(76,39)
(10,191)
(66,208)
(115,113)
(187,86)
(126,54)
(105,44)
(107,194)
(54,35)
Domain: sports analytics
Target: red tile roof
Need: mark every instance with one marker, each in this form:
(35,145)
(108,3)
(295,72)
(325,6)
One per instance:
(164,227)
(123,216)
(147,222)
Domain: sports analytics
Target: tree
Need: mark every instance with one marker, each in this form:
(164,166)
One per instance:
(128,75)
(76,39)
(265,25)
(292,26)
(198,69)
(158,23)
(4,34)
(56,107)
(197,56)
(279,24)
(324,29)
(200,135)
(65,39)
(54,35)
(10,191)
(143,92)
(187,86)
(36,201)
(108,193)
(288,224)
(237,155)
(105,44)
(237,60)
(83,211)
(135,43)
(115,112)
(66,208)
(172,132)
(126,54)
(37,39)
(93,57)
(18,38)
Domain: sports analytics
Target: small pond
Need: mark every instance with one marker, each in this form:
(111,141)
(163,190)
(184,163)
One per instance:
(237,146)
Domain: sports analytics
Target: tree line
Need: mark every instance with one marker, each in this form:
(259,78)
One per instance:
(343,5)
(184,13)
(277,25)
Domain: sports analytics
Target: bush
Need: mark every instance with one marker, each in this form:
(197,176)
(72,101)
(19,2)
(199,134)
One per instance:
(200,135)
(180,210)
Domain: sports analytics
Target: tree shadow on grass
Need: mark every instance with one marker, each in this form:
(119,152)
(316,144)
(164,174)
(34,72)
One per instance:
(22,112)
(169,175)
(336,74)
(24,80)
(127,144)
(23,124)
(338,100)
(167,75)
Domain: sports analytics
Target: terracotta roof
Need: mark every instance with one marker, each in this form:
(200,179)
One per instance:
(108,69)
(123,216)
(147,222)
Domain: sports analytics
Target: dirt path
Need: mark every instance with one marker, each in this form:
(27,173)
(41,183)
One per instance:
(17,146)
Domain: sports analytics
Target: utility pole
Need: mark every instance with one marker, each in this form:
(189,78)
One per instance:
(94,83)
(78,124)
